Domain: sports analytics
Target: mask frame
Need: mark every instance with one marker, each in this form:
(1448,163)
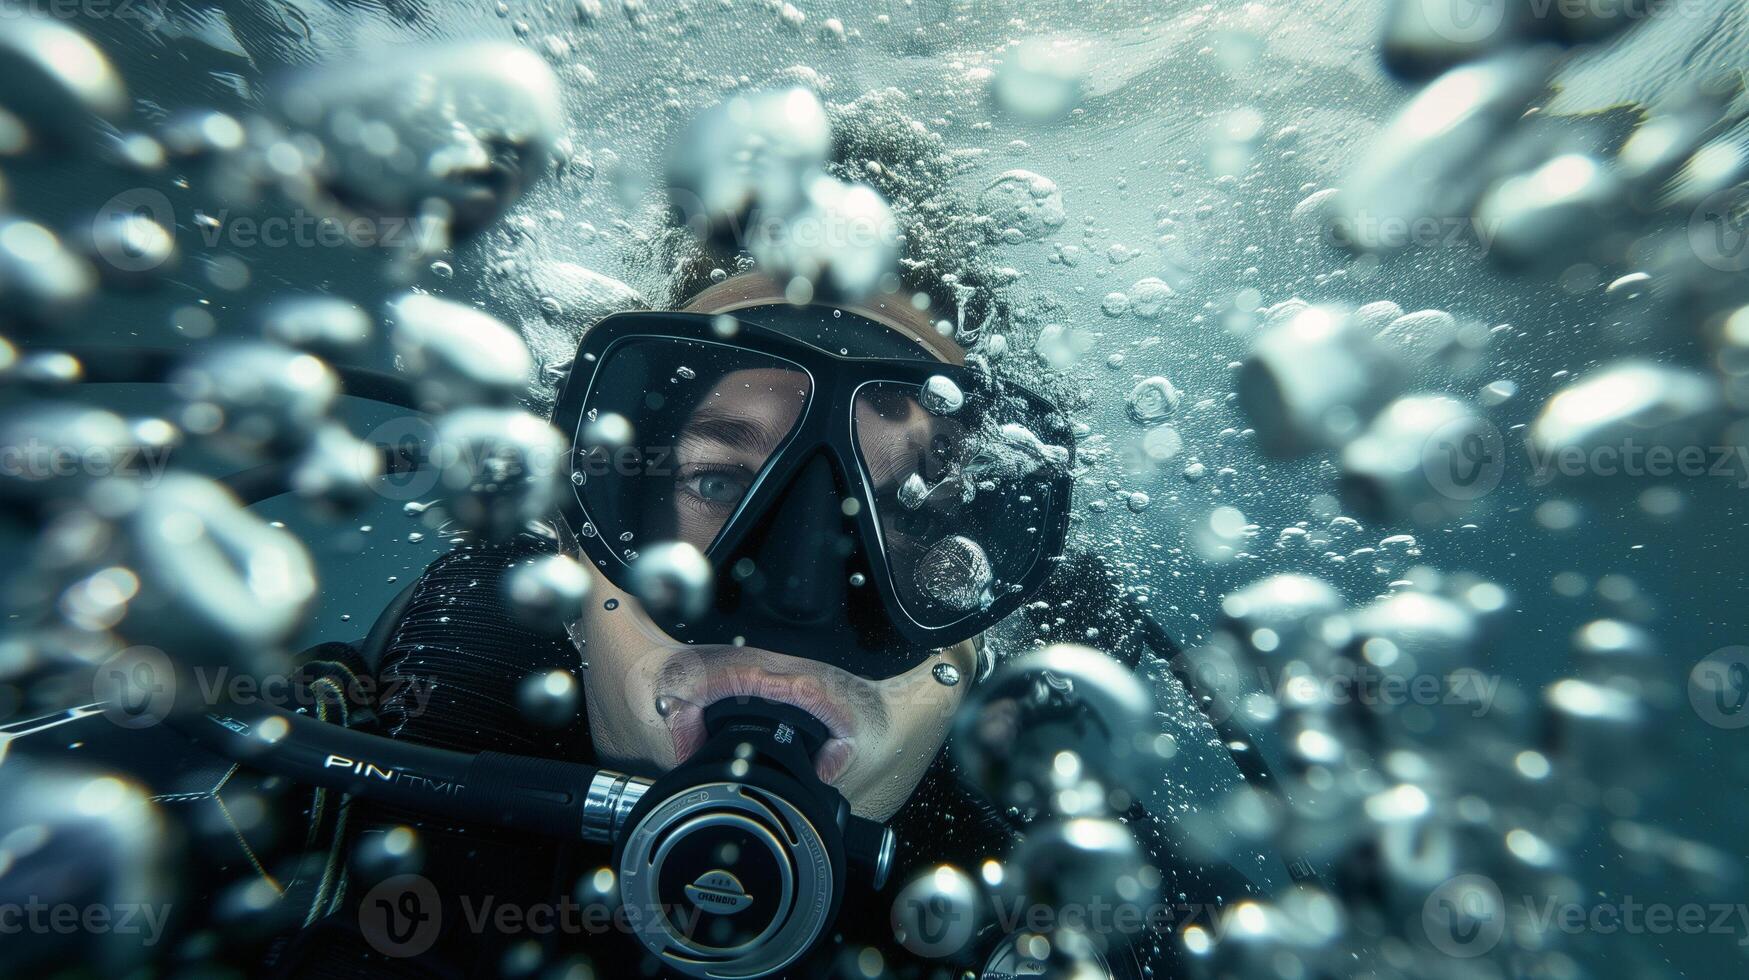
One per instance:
(841,352)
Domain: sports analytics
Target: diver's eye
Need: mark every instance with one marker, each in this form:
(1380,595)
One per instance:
(719,487)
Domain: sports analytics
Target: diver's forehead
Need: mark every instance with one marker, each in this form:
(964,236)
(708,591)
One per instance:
(760,379)
(753,407)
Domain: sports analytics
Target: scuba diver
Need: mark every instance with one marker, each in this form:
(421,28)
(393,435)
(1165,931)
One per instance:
(800,521)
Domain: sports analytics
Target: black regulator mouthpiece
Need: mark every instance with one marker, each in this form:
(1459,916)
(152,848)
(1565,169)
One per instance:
(737,860)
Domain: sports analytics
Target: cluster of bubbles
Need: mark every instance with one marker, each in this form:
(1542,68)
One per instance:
(445,142)
(1437,822)
(1369,382)
(1436,826)
(1435,818)
(752,172)
(1060,735)
(1664,210)
(132,547)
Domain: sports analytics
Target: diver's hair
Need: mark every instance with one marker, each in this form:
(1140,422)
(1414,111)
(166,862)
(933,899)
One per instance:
(946,250)
(893,310)
(702,266)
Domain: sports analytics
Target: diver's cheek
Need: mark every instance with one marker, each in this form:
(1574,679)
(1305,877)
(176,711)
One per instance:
(885,773)
(625,654)
(629,734)
(886,769)
(614,746)
(618,616)
(921,700)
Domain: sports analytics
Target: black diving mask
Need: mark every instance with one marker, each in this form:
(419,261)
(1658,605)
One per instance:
(859,502)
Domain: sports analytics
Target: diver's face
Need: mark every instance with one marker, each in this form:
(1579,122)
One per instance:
(647,691)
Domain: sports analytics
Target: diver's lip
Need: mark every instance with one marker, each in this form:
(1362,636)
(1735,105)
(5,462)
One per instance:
(804,691)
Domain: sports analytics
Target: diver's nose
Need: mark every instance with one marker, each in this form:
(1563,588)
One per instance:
(801,552)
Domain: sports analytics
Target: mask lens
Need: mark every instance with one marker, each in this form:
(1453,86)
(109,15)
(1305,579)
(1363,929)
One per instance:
(673,435)
(962,498)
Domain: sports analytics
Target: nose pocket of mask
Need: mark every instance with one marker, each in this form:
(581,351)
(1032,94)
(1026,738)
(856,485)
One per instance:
(795,568)
(798,578)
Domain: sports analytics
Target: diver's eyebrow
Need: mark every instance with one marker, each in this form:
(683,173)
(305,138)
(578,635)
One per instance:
(741,433)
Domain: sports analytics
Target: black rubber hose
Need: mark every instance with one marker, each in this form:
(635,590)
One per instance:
(1250,763)
(543,796)
(154,365)
(1088,595)
(258,483)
